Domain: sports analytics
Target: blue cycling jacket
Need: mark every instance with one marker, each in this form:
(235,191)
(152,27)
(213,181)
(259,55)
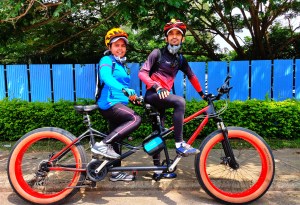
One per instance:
(113,83)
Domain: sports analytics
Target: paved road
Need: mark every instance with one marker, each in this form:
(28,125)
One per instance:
(157,197)
(182,190)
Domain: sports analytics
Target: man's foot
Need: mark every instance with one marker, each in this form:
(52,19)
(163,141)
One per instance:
(121,176)
(159,176)
(186,150)
(105,150)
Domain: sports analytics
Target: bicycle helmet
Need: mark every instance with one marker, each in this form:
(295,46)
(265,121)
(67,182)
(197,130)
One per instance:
(175,24)
(115,34)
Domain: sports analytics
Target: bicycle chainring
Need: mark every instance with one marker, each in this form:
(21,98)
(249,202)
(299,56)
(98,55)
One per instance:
(91,168)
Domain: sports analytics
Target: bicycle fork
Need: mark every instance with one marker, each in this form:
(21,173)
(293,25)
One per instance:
(229,155)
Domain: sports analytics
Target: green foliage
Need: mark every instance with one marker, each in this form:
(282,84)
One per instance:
(19,117)
(272,120)
(73,31)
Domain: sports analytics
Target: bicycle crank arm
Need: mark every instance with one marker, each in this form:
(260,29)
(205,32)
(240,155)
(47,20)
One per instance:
(174,164)
(101,166)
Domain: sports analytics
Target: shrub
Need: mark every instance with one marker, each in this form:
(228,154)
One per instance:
(271,120)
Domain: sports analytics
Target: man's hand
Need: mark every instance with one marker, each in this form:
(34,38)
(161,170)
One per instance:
(163,93)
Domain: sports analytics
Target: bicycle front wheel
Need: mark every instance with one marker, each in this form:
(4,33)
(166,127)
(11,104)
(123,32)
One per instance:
(39,181)
(235,186)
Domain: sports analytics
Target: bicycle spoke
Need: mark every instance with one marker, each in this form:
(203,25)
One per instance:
(246,183)
(42,180)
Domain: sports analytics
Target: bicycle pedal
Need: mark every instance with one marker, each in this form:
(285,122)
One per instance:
(89,183)
(93,184)
(182,154)
(100,157)
(157,177)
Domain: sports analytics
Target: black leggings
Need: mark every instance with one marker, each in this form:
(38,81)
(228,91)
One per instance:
(122,121)
(172,101)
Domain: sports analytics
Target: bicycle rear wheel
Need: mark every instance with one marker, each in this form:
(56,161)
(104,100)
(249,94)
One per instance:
(37,181)
(247,183)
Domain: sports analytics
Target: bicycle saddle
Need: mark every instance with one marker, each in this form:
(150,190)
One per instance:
(85,108)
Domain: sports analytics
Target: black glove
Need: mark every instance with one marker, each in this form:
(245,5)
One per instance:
(162,93)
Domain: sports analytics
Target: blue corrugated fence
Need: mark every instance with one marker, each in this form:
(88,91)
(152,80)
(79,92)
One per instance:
(261,79)
(297,79)
(278,79)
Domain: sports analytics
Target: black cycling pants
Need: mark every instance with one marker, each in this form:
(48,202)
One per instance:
(172,101)
(122,121)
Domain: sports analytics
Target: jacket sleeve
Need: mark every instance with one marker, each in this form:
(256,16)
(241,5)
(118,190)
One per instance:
(106,74)
(191,76)
(145,69)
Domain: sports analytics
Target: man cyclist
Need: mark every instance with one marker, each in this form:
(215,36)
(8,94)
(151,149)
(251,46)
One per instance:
(158,73)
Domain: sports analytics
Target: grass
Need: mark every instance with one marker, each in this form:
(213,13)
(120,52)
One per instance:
(281,144)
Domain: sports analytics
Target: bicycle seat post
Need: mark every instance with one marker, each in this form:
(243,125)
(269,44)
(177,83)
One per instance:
(158,123)
(155,118)
(87,122)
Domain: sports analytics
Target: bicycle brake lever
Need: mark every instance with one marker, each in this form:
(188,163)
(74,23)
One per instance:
(138,100)
(225,88)
(227,79)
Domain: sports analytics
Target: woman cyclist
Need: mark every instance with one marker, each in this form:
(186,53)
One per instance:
(113,103)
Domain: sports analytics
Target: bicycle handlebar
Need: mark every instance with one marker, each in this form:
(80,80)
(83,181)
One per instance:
(224,89)
(137,101)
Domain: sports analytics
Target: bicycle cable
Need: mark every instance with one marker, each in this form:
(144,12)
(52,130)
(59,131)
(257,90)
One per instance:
(217,113)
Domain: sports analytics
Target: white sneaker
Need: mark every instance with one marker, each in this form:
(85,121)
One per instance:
(121,176)
(105,150)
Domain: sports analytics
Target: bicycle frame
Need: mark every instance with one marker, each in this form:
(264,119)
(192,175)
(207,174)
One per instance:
(170,165)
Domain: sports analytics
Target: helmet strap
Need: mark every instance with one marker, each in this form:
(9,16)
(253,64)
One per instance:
(107,52)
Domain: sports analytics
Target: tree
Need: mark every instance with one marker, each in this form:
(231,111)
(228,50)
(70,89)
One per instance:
(256,16)
(61,31)
(56,32)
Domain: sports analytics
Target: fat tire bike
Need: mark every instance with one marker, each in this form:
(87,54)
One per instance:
(49,165)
